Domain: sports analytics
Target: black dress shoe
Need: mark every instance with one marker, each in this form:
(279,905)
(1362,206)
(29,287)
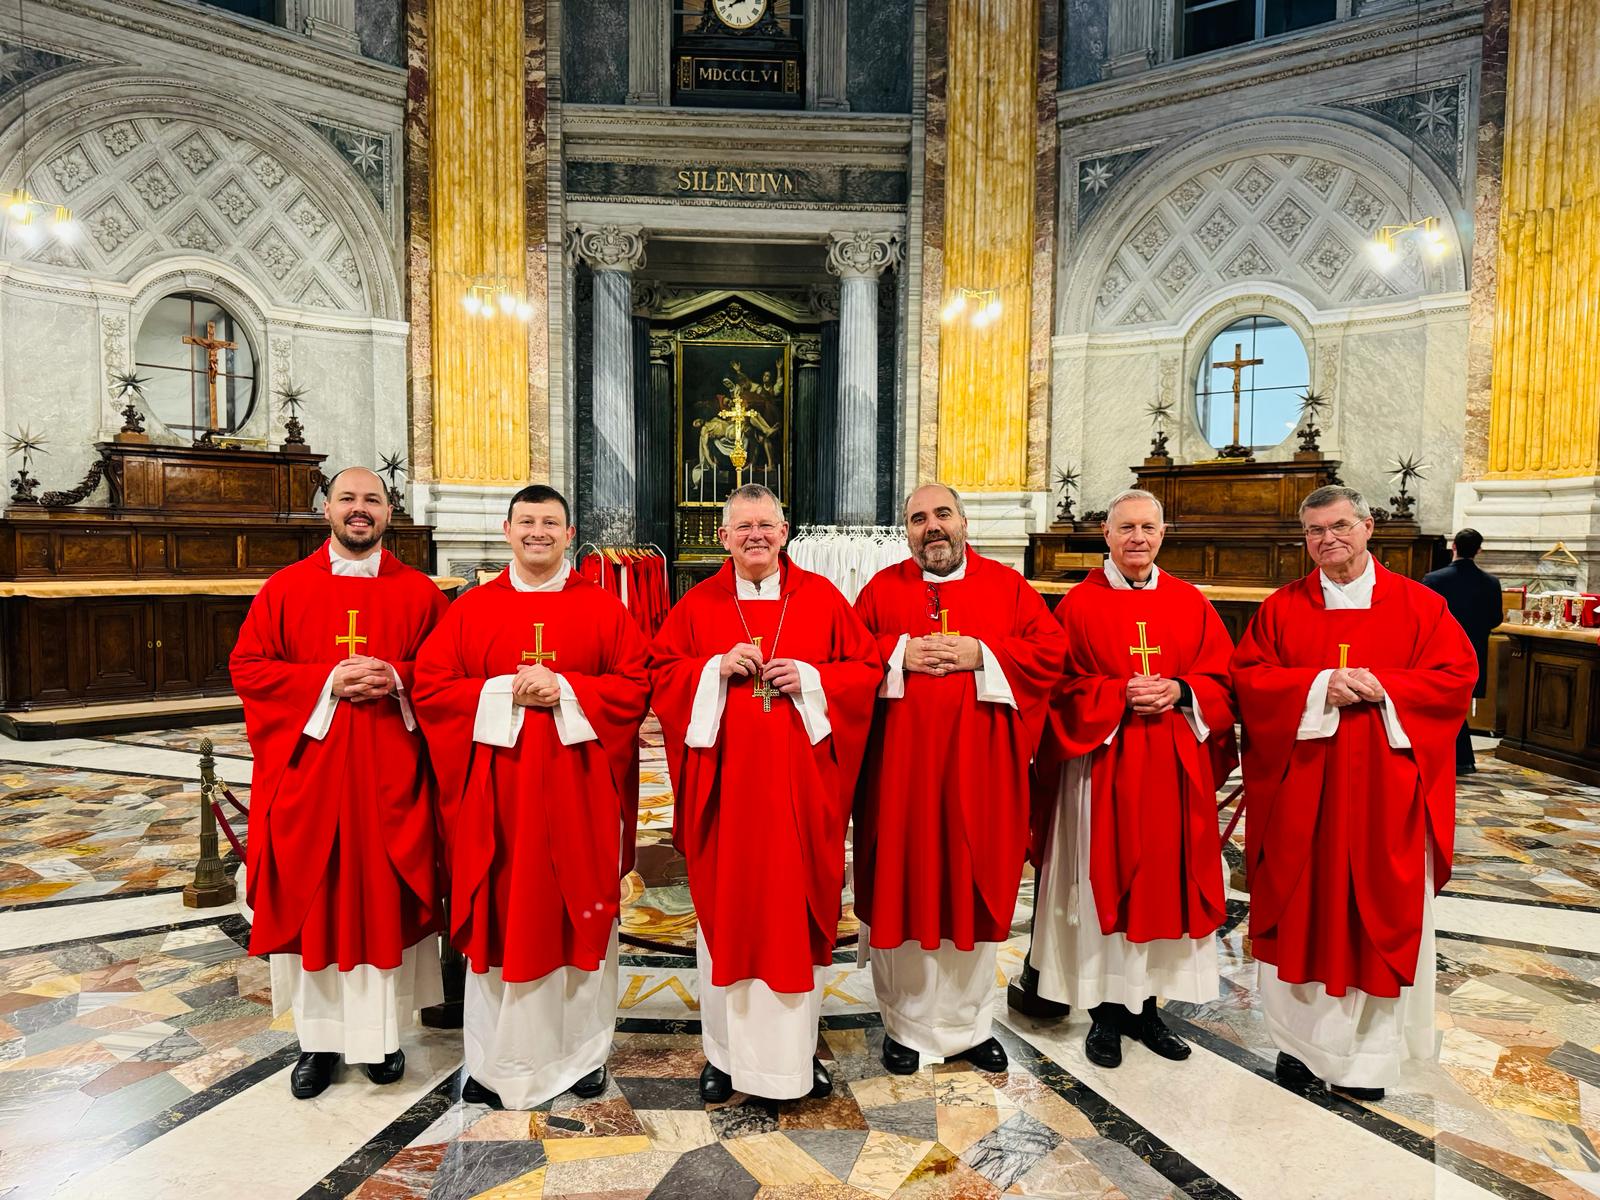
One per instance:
(715,1086)
(1157,1037)
(1359,1093)
(312,1074)
(900,1060)
(473,1092)
(1022,995)
(1290,1070)
(389,1070)
(821,1081)
(1103,1046)
(988,1055)
(592,1084)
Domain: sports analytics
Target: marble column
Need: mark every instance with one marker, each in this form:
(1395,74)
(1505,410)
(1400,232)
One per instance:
(1131,27)
(613,253)
(858,259)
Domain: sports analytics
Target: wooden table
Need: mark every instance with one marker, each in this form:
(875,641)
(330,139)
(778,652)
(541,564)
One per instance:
(1552,710)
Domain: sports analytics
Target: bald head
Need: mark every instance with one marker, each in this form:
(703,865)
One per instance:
(936,528)
(358,511)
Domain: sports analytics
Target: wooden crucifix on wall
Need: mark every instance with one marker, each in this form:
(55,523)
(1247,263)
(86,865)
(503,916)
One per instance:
(212,345)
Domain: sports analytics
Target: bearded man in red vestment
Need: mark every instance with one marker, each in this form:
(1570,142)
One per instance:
(531,691)
(941,819)
(1352,683)
(1141,733)
(764,681)
(340,863)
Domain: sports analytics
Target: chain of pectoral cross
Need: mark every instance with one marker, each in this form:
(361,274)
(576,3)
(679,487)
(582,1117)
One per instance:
(763,690)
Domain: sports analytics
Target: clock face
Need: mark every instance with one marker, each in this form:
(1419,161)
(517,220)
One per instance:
(739,14)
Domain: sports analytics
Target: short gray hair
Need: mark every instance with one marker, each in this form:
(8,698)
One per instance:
(750,491)
(1323,497)
(961,509)
(1128,494)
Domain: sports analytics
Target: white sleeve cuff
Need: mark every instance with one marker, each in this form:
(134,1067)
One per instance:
(710,698)
(406,714)
(812,703)
(893,686)
(993,686)
(1197,722)
(572,726)
(321,718)
(1319,719)
(1392,727)
(499,719)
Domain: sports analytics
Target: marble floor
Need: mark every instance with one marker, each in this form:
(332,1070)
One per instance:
(139,1056)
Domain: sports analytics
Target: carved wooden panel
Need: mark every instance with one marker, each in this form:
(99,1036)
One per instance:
(205,553)
(117,645)
(1225,498)
(35,554)
(219,618)
(1243,563)
(88,552)
(1553,701)
(175,666)
(270,551)
(48,632)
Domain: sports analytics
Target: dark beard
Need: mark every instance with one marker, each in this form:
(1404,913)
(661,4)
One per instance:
(957,556)
(355,542)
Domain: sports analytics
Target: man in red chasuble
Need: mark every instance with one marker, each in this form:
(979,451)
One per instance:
(941,829)
(1352,684)
(340,864)
(764,682)
(1130,886)
(531,692)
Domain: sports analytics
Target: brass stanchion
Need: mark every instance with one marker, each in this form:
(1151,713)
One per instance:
(211,885)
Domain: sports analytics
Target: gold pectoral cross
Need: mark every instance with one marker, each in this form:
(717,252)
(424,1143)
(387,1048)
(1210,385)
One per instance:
(763,690)
(352,639)
(538,655)
(944,624)
(1344,655)
(1143,650)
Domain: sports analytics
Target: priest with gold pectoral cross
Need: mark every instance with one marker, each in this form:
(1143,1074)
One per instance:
(531,692)
(1130,886)
(341,874)
(763,679)
(1352,684)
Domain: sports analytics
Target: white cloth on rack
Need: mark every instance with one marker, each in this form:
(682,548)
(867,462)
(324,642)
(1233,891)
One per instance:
(848,556)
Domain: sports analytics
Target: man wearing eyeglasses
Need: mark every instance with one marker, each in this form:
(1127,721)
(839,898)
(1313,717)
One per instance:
(941,828)
(1352,683)
(763,679)
(1130,861)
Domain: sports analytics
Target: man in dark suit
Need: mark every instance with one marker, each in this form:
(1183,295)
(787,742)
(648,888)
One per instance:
(1473,598)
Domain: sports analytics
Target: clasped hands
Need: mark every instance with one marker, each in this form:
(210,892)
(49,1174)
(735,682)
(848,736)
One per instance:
(535,686)
(1151,695)
(943,653)
(362,677)
(745,661)
(1352,685)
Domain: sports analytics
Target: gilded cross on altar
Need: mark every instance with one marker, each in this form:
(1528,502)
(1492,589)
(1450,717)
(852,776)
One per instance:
(736,414)
(211,343)
(352,639)
(1344,655)
(944,624)
(538,655)
(763,690)
(1143,650)
(1237,366)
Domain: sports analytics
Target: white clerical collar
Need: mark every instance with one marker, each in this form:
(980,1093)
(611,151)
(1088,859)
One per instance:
(1355,594)
(360,568)
(1120,583)
(760,589)
(959,573)
(554,584)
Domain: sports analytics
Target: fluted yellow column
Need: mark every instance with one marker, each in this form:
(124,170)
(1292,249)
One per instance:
(480,365)
(1544,417)
(988,241)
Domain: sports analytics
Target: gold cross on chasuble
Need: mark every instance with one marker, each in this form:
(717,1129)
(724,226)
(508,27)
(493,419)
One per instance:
(1143,650)
(1344,655)
(944,624)
(763,690)
(538,655)
(351,639)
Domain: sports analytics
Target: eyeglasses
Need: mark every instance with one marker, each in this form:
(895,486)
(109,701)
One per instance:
(765,528)
(933,600)
(1339,529)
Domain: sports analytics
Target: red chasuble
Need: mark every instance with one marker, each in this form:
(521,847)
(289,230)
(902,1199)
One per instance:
(760,816)
(341,856)
(1155,857)
(537,836)
(941,817)
(1334,838)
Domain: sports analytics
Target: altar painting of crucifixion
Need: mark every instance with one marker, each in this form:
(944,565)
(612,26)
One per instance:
(732,418)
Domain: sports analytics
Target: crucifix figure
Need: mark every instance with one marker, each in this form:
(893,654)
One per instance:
(736,414)
(1237,366)
(764,690)
(538,656)
(211,344)
(351,639)
(1143,650)
(944,624)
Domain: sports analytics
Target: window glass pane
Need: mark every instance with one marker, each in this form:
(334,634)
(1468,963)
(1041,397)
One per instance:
(1285,15)
(1269,392)
(1213,26)
(178,391)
